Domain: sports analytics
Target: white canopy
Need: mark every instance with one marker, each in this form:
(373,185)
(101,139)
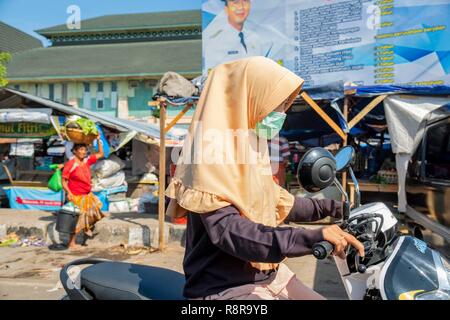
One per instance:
(405,117)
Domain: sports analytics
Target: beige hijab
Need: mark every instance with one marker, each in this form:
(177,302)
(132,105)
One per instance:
(223,162)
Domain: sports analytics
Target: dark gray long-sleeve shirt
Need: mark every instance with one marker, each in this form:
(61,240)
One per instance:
(221,244)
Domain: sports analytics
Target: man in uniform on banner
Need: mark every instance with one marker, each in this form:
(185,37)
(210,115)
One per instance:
(231,36)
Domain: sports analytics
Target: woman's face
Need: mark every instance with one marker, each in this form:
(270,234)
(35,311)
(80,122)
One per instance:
(80,153)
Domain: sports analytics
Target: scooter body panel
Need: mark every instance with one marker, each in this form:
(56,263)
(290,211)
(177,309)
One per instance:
(377,207)
(412,269)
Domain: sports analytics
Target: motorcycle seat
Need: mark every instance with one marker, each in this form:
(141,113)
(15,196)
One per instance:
(126,281)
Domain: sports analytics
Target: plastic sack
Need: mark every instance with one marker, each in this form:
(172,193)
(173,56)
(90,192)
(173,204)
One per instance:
(125,205)
(117,196)
(108,167)
(120,206)
(123,188)
(174,85)
(103,197)
(134,205)
(55,182)
(149,177)
(148,197)
(115,180)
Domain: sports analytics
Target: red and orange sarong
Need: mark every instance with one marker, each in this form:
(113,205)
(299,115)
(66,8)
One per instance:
(90,213)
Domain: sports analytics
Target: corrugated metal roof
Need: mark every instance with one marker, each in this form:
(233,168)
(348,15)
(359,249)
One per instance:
(14,40)
(151,131)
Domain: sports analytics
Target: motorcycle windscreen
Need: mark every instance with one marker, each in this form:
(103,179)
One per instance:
(409,271)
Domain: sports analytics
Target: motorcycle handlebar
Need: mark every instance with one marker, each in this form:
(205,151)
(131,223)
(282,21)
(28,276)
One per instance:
(322,250)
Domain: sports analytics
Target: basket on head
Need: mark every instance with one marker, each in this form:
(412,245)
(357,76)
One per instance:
(77,136)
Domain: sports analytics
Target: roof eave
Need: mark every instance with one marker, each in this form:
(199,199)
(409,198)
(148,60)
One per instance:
(115,123)
(98,77)
(49,32)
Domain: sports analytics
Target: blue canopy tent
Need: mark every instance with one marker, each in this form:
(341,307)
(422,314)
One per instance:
(371,91)
(308,126)
(405,107)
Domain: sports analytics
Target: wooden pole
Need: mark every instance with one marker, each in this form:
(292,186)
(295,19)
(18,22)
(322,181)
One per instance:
(366,110)
(178,117)
(162,174)
(323,114)
(344,174)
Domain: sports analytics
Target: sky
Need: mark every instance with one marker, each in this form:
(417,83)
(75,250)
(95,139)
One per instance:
(30,15)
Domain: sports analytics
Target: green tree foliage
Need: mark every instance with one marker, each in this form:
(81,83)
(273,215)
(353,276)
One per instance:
(5,57)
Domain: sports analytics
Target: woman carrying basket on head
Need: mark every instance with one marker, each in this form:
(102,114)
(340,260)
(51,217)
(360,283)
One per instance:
(77,184)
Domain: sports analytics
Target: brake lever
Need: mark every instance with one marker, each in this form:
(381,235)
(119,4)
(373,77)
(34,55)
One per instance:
(360,267)
(368,249)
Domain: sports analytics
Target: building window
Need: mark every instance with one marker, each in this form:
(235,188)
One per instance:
(38,88)
(114,95)
(51,90)
(100,95)
(152,83)
(64,93)
(87,95)
(133,84)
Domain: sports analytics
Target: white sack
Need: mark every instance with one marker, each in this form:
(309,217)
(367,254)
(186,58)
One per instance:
(116,180)
(108,167)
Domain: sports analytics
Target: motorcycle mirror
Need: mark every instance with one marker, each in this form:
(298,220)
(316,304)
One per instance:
(316,170)
(344,158)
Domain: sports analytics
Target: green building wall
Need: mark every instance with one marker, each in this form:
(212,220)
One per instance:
(137,97)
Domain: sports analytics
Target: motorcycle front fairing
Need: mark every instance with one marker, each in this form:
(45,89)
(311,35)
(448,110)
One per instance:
(414,270)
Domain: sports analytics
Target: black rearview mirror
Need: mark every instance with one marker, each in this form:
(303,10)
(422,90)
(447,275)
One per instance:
(316,170)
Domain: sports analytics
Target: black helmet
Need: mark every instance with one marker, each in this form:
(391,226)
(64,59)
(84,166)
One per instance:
(316,170)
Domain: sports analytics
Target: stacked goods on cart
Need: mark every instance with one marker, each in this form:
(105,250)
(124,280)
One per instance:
(108,180)
(80,130)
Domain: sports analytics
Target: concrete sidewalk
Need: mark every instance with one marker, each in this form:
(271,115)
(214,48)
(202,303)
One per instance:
(132,229)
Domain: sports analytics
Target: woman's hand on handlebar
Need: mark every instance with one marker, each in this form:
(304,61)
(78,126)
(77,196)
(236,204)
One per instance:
(340,240)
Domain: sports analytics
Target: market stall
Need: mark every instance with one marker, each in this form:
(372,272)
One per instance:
(128,145)
(27,145)
(405,108)
(385,138)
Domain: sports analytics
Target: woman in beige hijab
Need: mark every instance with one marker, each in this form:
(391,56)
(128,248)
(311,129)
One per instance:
(223,183)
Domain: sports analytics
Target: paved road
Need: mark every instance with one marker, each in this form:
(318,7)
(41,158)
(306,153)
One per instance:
(33,273)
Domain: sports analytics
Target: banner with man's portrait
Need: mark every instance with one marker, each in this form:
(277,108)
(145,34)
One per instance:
(364,42)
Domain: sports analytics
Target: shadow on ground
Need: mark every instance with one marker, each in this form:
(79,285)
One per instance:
(327,280)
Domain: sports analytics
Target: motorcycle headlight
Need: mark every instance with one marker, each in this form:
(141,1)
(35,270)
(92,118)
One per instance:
(434,295)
